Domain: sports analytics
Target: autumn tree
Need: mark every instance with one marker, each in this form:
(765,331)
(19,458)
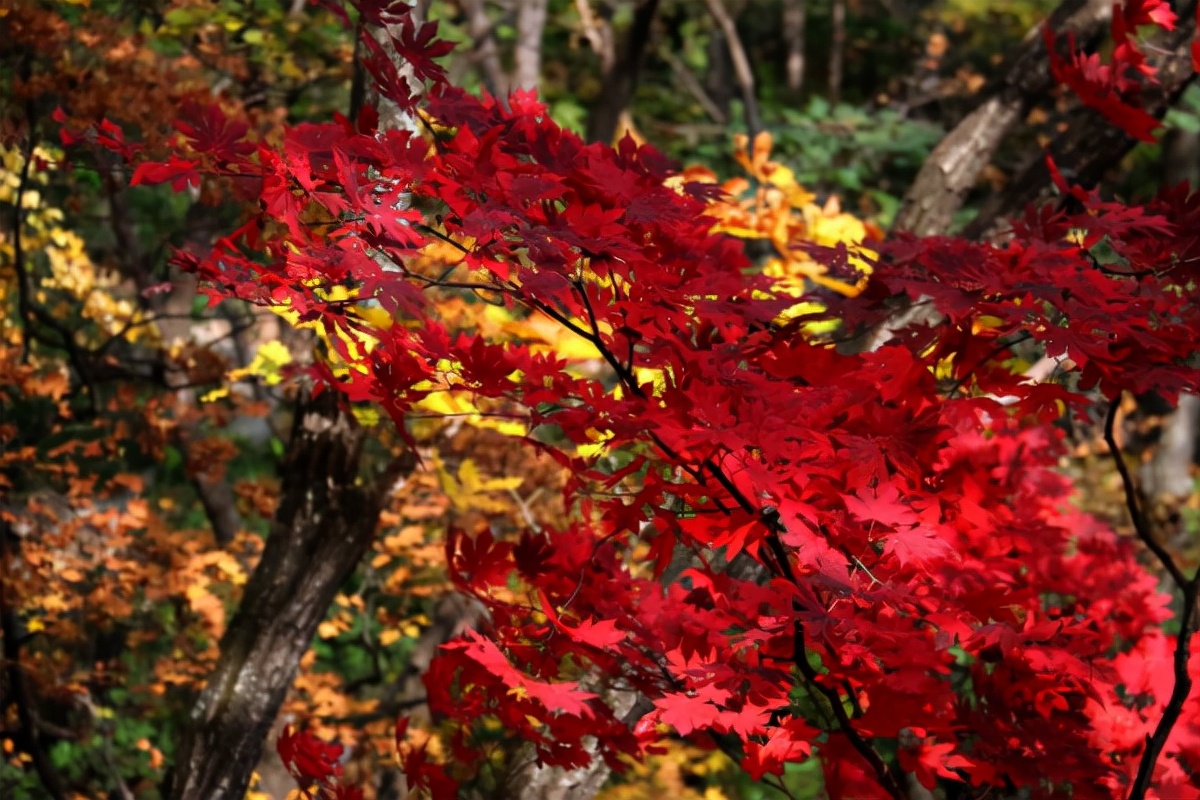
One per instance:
(754,505)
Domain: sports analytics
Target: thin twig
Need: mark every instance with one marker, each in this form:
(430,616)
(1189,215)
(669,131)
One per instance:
(1141,525)
(1024,336)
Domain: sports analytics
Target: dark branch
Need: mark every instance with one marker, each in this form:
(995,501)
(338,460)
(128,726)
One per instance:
(1188,587)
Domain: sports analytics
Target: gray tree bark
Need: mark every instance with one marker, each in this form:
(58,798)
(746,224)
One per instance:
(527,57)
(955,164)
(1091,145)
(486,52)
(324,524)
(794,13)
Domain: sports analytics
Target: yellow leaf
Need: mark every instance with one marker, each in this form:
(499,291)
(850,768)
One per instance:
(468,475)
(367,417)
(599,444)
(267,364)
(214,395)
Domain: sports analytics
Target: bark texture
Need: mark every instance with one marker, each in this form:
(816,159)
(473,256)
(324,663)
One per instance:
(1091,145)
(323,526)
(955,164)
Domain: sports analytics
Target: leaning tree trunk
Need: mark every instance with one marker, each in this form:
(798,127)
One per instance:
(1091,145)
(955,164)
(323,526)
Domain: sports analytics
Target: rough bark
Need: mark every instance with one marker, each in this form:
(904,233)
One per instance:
(621,77)
(953,167)
(323,526)
(1091,145)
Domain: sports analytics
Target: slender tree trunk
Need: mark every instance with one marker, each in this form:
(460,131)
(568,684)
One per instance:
(837,52)
(794,12)
(955,164)
(691,84)
(323,526)
(486,53)
(621,75)
(742,69)
(527,57)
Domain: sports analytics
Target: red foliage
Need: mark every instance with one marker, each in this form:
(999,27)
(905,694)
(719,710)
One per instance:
(926,588)
(1112,88)
(307,758)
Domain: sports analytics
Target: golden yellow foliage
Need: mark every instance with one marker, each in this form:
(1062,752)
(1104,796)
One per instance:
(773,206)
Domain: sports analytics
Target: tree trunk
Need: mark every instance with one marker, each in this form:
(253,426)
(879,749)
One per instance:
(486,53)
(837,52)
(793,34)
(741,65)
(621,76)
(954,165)
(323,526)
(527,57)
(1091,145)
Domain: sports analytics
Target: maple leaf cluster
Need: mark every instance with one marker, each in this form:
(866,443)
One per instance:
(868,558)
(1112,87)
(315,764)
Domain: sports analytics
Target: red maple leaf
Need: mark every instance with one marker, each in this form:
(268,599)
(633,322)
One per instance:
(928,760)
(309,759)
(209,131)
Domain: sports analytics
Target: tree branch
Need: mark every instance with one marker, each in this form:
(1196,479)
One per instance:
(485,52)
(1189,588)
(741,65)
(782,565)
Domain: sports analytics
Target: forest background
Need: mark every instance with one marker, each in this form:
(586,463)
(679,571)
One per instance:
(148,436)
